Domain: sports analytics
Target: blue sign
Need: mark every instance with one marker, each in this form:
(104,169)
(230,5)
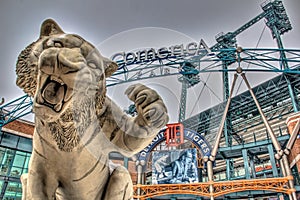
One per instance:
(198,140)
(191,135)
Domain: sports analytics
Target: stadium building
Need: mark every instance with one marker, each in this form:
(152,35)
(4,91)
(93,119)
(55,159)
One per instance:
(246,147)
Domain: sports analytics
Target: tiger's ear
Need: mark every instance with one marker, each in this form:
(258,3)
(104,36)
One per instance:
(109,66)
(50,27)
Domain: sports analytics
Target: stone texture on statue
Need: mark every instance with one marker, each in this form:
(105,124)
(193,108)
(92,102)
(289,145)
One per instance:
(76,125)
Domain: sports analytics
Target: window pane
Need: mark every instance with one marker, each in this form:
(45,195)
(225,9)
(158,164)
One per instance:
(27,160)
(13,191)
(10,140)
(6,162)
(16,171)
(19,161)
(2,154)
(1,185)
(25,144)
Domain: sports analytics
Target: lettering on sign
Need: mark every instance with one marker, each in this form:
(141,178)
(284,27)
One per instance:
(151,54)
(198,140)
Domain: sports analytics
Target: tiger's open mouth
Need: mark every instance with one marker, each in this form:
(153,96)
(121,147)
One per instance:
(54,93)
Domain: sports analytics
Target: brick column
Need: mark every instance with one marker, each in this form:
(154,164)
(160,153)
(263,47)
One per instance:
(291,122)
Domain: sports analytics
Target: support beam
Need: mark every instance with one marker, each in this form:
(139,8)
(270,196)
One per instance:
(210,179)
(126,162)
(212,157)
(222,188)
(246,163)
(182,105)
(227,123)
(288,171)
(219,134)
(139,176)
(267,125)
(15,109)
(252,165)
(279,154)
(272,160)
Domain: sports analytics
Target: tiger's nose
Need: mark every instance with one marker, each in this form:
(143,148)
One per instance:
(61,61)
(70,60)
(48,61)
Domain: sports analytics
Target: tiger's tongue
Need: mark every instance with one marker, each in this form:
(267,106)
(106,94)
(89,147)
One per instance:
(53,93)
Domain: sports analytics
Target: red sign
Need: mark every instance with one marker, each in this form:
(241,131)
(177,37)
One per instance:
(174,134)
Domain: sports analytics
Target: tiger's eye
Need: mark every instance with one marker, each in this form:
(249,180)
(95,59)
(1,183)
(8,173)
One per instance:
(58,44)
(92,65)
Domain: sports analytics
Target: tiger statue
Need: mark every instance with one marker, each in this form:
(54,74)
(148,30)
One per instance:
(76,124)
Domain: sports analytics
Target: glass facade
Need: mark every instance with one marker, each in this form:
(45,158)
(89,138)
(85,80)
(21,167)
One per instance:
(15,152)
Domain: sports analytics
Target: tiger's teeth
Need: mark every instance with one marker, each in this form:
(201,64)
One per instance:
(40,99)
(53,78)
(68,95)
(58,107)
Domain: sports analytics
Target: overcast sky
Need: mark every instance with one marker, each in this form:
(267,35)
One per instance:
(102,22)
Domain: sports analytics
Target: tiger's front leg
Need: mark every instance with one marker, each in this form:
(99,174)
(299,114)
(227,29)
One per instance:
(119,185)
(24,178)
(39,183)
(152,112)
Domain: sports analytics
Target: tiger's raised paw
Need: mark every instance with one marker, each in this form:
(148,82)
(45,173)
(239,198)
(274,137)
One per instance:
(149,105)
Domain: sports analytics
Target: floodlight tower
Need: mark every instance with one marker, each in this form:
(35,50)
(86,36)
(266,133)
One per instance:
(227,41)
(189,77)
(279,23)
(277,20)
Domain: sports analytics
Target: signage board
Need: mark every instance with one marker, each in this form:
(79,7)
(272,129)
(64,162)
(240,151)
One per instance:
(174,167)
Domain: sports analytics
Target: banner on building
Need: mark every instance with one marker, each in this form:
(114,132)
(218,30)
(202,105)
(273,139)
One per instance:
(174,166)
